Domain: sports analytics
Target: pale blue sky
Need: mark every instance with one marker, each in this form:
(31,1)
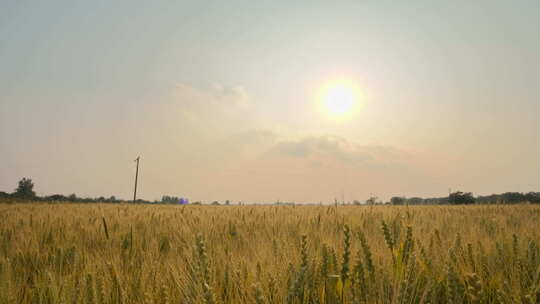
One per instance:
(214,95)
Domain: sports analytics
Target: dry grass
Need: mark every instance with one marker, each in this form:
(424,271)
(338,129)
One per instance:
(63,253)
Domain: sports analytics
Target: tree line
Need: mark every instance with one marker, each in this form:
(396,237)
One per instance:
(25,191)
(467,198)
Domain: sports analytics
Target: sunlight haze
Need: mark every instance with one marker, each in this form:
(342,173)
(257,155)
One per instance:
(252,101)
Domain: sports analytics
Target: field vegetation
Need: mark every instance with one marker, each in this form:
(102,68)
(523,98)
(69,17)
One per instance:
(120,253)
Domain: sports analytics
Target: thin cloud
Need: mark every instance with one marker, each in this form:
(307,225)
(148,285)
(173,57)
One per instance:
(340,149)
(218,109)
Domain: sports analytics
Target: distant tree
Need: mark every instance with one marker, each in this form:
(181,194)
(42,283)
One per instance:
(215,203)
(372,200)
(488,199)
(357,203)
(55,197)
(459,198)
(513,197)
(227,202)
(170,199)
(73,197)
(533,197)
(25,189)
(415,201)
(397,200)
(4,194)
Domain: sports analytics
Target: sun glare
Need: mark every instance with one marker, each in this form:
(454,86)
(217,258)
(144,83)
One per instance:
(339,99)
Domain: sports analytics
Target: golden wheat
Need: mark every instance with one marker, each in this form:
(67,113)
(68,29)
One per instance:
(104,253)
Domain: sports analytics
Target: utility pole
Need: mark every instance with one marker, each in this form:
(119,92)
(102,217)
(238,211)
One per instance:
(136,176)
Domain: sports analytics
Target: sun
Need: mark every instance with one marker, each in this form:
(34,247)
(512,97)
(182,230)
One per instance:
(339,99)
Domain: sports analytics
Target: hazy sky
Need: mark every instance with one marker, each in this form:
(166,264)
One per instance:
(219,98)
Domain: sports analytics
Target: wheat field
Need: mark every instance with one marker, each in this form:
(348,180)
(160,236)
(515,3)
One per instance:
(109,253)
